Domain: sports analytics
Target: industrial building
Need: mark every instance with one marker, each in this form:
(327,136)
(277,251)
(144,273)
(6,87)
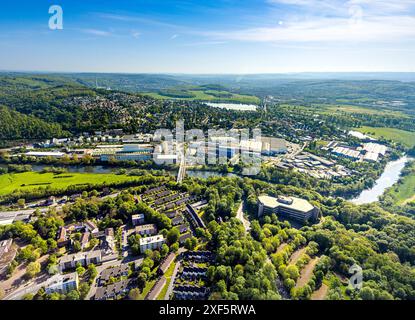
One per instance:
(273,146)
(128,152)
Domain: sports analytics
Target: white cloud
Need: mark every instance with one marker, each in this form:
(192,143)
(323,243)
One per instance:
(329,29)
(136,34)
(342,21)
(96,32)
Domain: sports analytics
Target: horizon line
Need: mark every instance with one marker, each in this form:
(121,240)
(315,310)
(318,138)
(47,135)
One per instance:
(206,74)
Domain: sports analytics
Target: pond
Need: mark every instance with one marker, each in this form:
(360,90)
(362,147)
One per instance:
(233,106)
(388,178)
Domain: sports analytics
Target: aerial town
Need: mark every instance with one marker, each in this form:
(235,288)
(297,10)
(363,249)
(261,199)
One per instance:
(217,157)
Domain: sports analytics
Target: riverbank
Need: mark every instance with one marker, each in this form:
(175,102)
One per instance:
(389,177)
(402,192)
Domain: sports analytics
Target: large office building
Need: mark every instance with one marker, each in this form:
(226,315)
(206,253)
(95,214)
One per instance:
(287,207)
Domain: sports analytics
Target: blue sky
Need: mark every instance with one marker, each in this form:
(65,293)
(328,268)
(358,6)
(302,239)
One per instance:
(222,36)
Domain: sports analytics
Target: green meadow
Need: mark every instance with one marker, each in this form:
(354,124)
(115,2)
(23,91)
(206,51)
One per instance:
(407,138)
(28,181)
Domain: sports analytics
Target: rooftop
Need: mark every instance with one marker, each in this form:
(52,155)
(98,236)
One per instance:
(148,240)
(143,227)
(80,255)
(287,202)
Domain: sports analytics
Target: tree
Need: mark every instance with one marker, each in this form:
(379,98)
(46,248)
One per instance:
(33,269)
(366,293)
(92,272)
(21,203)
(173,236)
(141,280)
(73,295)
(80,270)
(164,250)
(292,272)
(134,294)
(77,246)
(174,247)
(93,243)
(83,290)
(54,296)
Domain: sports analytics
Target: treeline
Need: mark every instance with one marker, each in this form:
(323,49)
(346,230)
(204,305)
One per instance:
(14,125)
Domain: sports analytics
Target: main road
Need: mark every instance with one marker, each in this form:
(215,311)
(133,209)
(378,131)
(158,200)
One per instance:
(182,170)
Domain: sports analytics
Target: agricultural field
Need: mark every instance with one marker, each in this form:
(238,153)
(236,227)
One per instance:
(33,180)
(363,110)
(407,138)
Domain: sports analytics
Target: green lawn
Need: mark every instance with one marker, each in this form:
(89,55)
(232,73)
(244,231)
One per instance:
(149,285)
(407,138)
(33,180)
(168,276)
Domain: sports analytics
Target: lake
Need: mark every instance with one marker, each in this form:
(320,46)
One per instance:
(389,177)
(233,106)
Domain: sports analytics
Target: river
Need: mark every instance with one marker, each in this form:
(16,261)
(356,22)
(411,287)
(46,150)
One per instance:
(208,174)
(389,177)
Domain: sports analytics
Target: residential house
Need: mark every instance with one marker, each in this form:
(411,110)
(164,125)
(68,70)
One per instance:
(84,258)
(151,243)
(188,292)
(115,272)
(146,229)
(63,283)
(157,288)
(137,219)
(85,240)
(112,291)
(92,228)
(165,265)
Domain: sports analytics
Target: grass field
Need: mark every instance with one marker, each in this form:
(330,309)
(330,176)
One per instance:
(407,138)
(209,95)
(168,275)
(362,110)
(33,180)
(149,285)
